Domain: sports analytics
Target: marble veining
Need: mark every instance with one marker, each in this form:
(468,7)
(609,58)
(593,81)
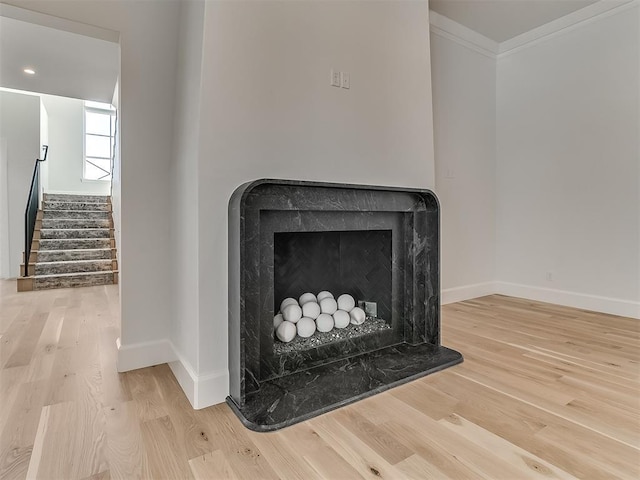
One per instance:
(73,243)
(75,223)
(72,266)
(73,280)
(53,205)
(75,233)
(73,198)
(79,214)
(294,398)
(261,380)
(77,254)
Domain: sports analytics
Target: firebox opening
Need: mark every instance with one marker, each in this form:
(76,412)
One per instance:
(355,262)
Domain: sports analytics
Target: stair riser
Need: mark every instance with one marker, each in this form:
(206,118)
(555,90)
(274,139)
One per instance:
(56,244)
(73,267)
(103,207)
(75,223)
(55,197)
(79,214)
(77,233)
(106,278)
(71,255)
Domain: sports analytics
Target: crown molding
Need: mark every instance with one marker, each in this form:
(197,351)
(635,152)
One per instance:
(447,28)
(58,23)
(579,18)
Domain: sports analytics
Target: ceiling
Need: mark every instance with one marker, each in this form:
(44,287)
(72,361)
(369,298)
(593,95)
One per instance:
(78,66)
(502,20)
(66,64)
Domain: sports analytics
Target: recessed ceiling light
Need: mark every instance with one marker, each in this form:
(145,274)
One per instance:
(29,71)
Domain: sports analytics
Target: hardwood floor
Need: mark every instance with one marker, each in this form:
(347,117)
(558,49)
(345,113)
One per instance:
(544,392)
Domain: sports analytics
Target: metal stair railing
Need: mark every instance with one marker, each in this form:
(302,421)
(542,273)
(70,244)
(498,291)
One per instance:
(31,212)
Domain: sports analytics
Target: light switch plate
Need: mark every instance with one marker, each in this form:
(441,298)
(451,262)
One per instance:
(335,78)
(345,80)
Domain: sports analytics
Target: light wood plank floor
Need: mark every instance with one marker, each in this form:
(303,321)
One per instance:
(544,392)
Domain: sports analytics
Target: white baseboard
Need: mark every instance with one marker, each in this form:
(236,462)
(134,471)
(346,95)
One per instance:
(145,354)
(467,292)
(201,390)
(613,306)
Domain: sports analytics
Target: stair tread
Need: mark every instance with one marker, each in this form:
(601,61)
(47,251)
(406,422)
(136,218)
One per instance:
(72,261)
(84,274)
(49,220)
(88,228)
(107,237)
(75,249)
(85,208)
(45,209)
(104,260)
(74,201)
(71,209)
(77,239)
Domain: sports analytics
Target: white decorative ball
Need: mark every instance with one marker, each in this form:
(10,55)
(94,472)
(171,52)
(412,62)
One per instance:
(346,302)
(341,319)
(277,320)
(328,305)
(357,316)
(286,302)
(306,327)
(324,294)
(292,313)
(311,310)
(286,332)
(324,322)
(307,297)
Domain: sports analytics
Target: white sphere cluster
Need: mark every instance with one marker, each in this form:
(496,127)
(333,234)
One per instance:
(322,312)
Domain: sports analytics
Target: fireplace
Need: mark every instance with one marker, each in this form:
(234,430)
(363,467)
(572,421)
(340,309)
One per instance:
(354,263)
(378,248)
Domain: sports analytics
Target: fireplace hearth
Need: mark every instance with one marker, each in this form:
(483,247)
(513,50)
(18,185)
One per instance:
(377,245)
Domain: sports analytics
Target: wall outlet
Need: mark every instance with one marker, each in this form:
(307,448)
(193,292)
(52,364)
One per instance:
(549,277)
(335,78)
(345,80)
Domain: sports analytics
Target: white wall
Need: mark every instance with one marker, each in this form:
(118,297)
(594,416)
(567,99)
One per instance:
(115,192)
(148,52)
(4,211)
(66,148)
(568,166)
(267,110)
(20,131)
(464,110)
(184,195)
(44,140)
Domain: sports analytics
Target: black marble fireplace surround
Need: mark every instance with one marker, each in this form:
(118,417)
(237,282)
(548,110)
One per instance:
(376,243)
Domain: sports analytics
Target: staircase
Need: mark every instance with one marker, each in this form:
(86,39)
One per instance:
(73,244)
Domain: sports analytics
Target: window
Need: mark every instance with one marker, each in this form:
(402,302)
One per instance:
(99,140)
